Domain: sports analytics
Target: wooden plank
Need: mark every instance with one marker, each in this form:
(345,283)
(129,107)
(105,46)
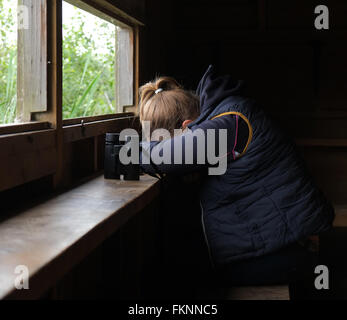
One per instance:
(52,237)
(136,67)
(54,113)
(23,127)
(96,164)
(111,9)
(132,109)
(259,293)
(54,29)
(107,11)
(124,68)
(26,156)
(133,8)
(340,215)
(69,122)
(20,169)
(92,129)
(25,142)
(32,61)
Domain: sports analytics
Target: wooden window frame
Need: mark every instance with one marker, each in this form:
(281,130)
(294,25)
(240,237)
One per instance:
(127,35)
(48,132)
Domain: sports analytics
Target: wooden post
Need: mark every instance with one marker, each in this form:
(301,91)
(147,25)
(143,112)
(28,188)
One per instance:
(32,60)
(54,114)
(137,67)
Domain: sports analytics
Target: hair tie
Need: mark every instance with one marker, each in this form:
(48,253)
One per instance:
(159,90)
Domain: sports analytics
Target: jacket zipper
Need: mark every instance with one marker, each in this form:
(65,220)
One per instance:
(205,236)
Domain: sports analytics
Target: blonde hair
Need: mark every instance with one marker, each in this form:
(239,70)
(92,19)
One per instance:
(167,107)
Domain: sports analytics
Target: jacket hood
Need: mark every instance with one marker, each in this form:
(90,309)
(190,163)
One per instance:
(213,88)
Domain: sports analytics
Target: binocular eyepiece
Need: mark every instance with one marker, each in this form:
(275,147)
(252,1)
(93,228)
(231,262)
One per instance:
(114,168)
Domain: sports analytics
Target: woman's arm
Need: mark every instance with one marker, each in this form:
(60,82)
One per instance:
(213,143)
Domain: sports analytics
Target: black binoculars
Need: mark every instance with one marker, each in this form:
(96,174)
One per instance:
(114,168)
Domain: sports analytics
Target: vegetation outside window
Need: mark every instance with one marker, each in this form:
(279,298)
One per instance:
(8,62)
(98,61)
(97,79)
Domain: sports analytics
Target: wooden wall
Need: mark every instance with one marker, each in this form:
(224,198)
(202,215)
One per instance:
(273,45)
(124,266)
(134,8)
(297,73)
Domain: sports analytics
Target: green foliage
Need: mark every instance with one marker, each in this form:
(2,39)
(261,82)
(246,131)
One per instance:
(8,64)
(88,64)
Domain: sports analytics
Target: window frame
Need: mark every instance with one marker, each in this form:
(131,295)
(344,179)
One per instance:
(129,30)
(32,136)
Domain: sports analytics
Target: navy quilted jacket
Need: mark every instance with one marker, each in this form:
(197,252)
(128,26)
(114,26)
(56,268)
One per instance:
(266,199)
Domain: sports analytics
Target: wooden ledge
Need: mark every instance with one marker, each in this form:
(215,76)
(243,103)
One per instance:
(340,215)
(55,235)
(280,292)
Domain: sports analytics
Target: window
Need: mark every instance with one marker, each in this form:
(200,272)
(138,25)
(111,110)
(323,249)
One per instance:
(23,60)
(56,65)
(8,61)
(97,63)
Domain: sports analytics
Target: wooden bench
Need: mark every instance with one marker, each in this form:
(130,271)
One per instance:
(259,293)
(52,237)
(340,215)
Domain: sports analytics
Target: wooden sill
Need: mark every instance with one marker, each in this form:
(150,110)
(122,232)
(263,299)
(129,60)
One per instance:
(95,128)
(340,215)
(27,156)
(23,127)
(52,237)
(69,122)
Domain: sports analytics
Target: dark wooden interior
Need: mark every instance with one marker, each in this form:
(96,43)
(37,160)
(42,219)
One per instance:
(296,72)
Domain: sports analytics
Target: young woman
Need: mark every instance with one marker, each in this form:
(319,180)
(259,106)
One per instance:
(260,214)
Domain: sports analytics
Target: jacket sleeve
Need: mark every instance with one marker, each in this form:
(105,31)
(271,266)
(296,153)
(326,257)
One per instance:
(212,144)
